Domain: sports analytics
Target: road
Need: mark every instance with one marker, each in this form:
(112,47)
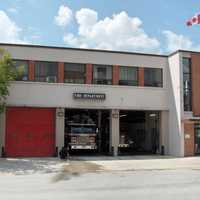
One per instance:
(155,185)
(44,180)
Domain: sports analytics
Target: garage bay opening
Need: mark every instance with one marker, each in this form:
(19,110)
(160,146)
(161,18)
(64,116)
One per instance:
(87,131)
(139,132)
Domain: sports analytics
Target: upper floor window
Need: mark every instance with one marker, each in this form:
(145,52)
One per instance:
(23,64)
(102,74)
(153,77)
(46,71)
(187,86)
(74,73)
(128,76)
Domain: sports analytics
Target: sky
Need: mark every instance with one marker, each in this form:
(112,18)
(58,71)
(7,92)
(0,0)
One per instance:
(157,26)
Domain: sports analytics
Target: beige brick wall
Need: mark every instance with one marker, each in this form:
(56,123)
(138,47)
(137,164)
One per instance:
(189,138)
(195,83)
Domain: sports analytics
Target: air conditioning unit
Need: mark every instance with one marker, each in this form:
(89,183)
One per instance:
(51,79)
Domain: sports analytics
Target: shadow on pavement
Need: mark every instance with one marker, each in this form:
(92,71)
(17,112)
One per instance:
(76,168)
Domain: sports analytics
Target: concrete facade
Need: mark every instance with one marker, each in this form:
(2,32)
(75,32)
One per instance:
(176,139)
(60,128)
(114,128)
(167,99)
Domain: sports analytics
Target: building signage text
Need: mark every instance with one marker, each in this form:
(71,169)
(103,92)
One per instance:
(94,96)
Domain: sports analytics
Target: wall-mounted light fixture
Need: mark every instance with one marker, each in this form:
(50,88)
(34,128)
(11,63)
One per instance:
(60,112)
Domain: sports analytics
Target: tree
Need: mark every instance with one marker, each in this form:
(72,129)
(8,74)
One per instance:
(8,72)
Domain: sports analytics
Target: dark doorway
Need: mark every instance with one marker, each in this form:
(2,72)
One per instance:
(87,131)
(139,132)
(197,139)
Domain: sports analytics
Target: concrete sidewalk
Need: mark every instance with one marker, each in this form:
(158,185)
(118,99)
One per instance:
(26,166)
(128,163)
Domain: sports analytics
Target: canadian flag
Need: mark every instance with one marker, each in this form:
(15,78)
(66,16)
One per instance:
(194,20)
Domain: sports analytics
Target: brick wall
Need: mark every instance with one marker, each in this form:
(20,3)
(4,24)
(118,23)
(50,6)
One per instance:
(195,58)
(115,75)
(60,72)
(141,76)
(89,74)
(189,138)
(31,71)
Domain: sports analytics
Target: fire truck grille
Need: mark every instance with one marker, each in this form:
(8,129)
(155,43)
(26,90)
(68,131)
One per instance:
(83,140)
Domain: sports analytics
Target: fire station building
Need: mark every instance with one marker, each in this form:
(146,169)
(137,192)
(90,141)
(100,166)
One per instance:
(138,103)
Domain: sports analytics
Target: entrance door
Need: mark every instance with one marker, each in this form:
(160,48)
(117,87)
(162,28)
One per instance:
(197,139)
(139,132)
(30,132)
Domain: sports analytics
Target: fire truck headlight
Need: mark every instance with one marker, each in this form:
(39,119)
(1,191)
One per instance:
(92,139)
(73,139)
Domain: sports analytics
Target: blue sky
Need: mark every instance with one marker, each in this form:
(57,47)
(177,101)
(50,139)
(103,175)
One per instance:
(129,25)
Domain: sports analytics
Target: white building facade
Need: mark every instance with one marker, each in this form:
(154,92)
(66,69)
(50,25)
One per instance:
(132,97)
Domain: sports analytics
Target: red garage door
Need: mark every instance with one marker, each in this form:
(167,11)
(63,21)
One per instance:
(30,132)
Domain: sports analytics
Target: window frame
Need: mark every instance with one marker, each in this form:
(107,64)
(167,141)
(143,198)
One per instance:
(129,81)
(157,84)
(187,107)
(21,60)
(102,81)
(35,76)
(84,77)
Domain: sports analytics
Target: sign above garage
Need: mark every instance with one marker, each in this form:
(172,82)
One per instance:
(93,96)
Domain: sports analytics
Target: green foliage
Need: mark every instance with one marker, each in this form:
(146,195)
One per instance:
(8,73)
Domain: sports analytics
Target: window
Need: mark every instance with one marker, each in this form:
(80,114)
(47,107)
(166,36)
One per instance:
(74,73)
(128,76)
(102,74)
(153,77)
(187,87)
(46,72)
(23,64)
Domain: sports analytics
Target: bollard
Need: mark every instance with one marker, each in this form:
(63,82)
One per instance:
(162,150)
(3,153)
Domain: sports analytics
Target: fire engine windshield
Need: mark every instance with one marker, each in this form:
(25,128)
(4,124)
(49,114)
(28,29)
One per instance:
(82,130)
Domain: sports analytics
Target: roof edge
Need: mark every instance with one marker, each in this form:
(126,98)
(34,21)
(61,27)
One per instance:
(97,50)
(182,51)
(81,49)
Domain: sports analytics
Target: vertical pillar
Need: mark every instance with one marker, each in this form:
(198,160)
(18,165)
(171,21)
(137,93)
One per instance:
(114,132)
(60,128)
(60,72)
(115,75)
(141,76)
(164,131)
(31,71)
(2,131)
(89,74)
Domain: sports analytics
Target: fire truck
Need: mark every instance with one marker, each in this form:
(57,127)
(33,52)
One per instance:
(81,132)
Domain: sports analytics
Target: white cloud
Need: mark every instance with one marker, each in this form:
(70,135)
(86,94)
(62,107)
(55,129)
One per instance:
(86,18)
(64,16)
(71,40)
(175,41)
(119,32)
(9,31)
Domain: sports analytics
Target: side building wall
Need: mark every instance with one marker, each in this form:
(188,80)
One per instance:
(176,136)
